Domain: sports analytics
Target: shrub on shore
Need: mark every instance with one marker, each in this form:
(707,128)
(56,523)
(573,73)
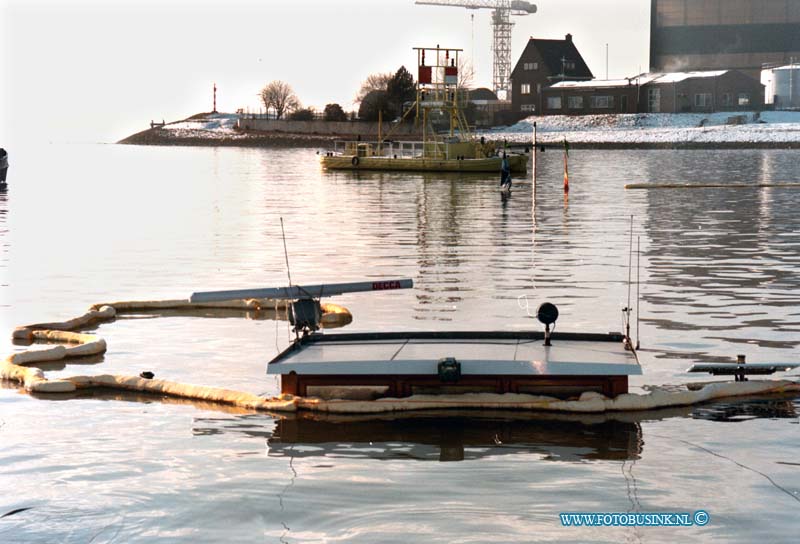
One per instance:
(304,114)
(334,112)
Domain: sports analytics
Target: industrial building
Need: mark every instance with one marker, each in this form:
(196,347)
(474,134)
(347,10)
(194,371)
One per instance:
(783,86)
(722,34)
(677,92)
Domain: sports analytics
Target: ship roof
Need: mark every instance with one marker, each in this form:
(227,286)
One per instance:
(479,353)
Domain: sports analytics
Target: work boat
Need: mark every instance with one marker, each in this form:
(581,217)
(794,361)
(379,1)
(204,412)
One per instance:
(438,97)
(401,364)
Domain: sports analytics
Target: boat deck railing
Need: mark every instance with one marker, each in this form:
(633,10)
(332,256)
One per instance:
(399,149)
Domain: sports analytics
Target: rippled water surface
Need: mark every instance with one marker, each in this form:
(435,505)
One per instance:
(719,269)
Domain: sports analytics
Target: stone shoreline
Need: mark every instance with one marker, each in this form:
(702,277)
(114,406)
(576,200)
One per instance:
(166,137)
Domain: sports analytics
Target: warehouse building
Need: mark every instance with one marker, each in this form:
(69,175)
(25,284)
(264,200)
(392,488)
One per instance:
(688,35)
(677,92)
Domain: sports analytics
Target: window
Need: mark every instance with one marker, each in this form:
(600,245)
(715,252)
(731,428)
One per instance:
(569,64)
(528,107)
(727,99)
(575,102)
(530,66)
(602,102)
(554,102)
(538,88)
(525,88)
(702,100)
(744,99)
(654,100)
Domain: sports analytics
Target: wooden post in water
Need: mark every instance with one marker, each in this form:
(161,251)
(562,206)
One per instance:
(566,168)
(533,158)
(533,181)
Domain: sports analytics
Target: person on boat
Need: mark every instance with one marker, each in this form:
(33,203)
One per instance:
(505,172)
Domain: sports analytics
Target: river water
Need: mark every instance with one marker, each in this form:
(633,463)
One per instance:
(719,275)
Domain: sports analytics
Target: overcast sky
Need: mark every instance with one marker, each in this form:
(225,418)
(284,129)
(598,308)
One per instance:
(101,70)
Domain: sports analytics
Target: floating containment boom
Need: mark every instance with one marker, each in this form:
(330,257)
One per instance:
(728,369)
(710,185)
(740,369)
(302,291)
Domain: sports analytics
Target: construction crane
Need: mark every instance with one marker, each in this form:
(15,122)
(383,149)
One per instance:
(501,29)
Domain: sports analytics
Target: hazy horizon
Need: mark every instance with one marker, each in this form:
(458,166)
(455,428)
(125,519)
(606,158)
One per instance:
(99,71)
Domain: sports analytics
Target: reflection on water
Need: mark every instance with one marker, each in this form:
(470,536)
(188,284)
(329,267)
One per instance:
(455,437)
(719,273)
(749,409)
(725,260)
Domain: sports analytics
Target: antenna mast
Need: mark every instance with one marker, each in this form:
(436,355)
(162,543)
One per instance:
(630,266)
(638,299)
(286,254)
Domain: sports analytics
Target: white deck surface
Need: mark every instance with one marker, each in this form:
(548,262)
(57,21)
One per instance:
(477,357)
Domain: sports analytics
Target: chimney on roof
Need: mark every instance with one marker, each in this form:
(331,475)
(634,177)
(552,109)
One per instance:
(568,37)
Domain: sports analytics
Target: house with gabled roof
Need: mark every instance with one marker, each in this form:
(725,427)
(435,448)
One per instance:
(544,63)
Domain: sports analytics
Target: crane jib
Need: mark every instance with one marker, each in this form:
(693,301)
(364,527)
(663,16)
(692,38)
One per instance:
(302,291)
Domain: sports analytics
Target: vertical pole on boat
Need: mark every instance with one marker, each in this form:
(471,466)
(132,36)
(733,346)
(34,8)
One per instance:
(630,265)
(288,273)
(420,62)
(424,132)
(286,254)
(380,134)
(638,269)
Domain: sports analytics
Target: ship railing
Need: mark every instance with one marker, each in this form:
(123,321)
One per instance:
(401,149)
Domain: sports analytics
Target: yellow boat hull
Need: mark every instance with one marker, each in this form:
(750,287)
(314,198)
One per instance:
(518,163)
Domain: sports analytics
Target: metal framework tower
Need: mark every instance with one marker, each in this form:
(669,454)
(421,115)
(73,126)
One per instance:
(501,67)
(501,31)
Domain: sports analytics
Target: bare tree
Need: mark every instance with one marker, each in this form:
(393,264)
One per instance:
(279,96)
(374,82)
(466,72)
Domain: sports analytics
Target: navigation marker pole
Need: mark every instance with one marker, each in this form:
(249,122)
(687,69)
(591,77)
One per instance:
(533,158)
(566,169)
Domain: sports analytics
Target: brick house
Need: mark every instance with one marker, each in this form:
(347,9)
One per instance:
(543,63)
(677,92)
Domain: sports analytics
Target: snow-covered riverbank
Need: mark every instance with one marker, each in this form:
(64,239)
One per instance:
(779,128)
(741,130)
